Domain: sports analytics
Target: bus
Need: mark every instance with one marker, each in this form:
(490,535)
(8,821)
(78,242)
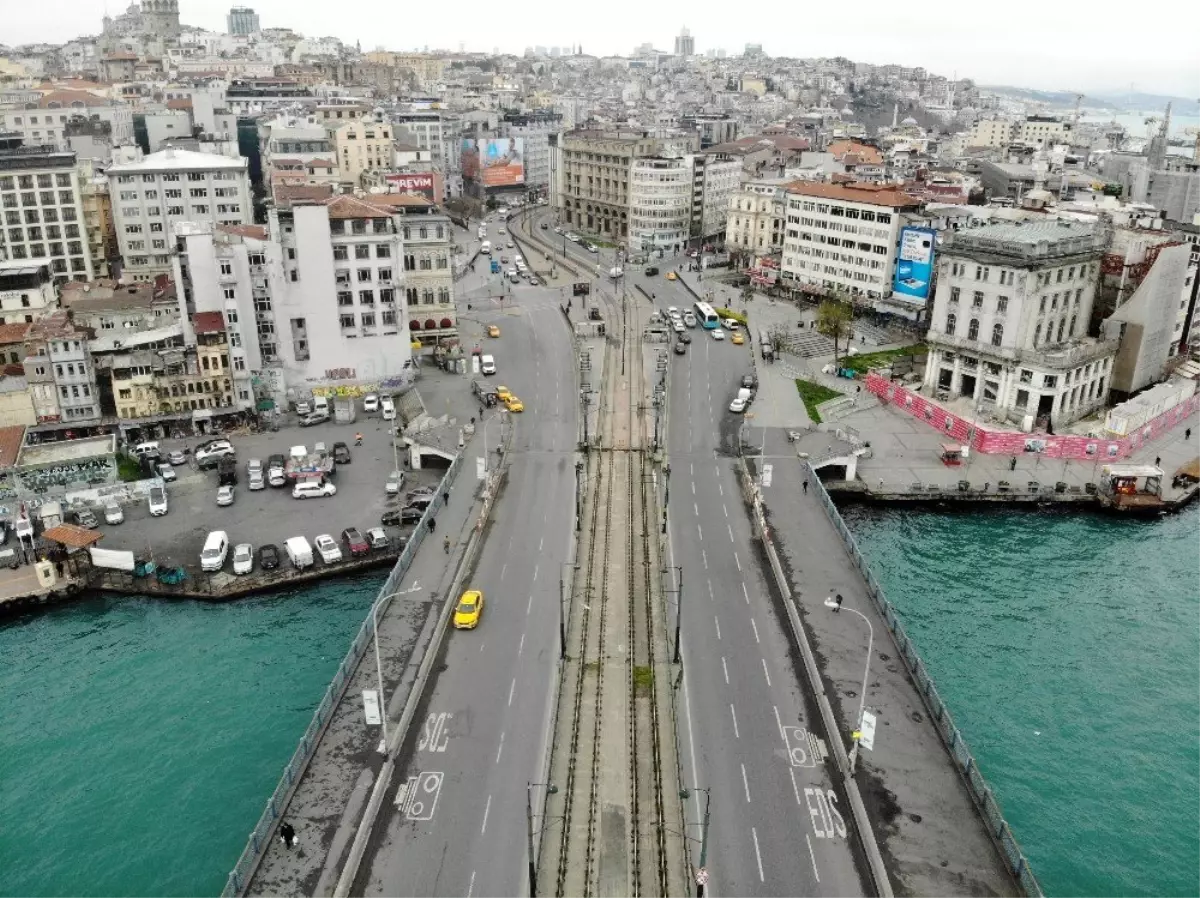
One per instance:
(707,316)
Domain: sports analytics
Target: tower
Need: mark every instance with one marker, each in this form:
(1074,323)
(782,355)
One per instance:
(161,18)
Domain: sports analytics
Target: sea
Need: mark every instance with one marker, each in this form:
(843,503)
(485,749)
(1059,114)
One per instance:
(140,739)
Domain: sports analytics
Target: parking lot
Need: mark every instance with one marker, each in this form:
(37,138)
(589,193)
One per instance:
(269,515)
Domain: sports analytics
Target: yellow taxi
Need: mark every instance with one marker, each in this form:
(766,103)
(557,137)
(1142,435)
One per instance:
(469,610)
(737,338)
(513,404)
(672,276)
(503,394)
(493,330)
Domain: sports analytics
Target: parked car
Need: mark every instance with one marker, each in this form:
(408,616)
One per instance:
(224,495)
(591,248)
(276,477)
(268,557)
(420,492)
(387,409)
(113,513)
(513,404)
(177,457)
(394,483)
(243,558)
(355,544)
(327,548)
(680,348)
(750,381)
(85,518)
(341,453)
(651,270)
(208,455)
(394,517)
(303,407)
(255,464)
(167,473)
(256,481)
(313,488)
(158,501)
(314,418)
(371,403)
(377,538)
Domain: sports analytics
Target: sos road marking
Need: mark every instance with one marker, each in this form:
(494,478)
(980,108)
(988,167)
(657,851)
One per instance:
(418,797)
(803,748)
(435,735)
(827,820)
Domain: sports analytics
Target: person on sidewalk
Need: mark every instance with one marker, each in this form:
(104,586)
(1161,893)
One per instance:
(1012,465)
(446,497)
(1157,461)
(445,543)
(1187,434)
(432,525)
(806,486)
(837,601)
(287,832)
(358,439)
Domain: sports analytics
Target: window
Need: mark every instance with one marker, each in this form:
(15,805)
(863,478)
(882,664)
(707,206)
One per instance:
(951,321)
(410,263)
(226,267)
(1037,335)
(366,297)
(1058,280)
(368,319)
(230,293)
(997,334)
(364,275)
(383,251)
(410,296)
(441,262)
(1071,329)
(389,318)
(345,298)
(1061,326)
(977,300)
(973,329)
(200,209)
(1042,306)
(346,320)
(426,264)
(362,251)
(954,295)
(198,193)
(385,274)
(1002,305)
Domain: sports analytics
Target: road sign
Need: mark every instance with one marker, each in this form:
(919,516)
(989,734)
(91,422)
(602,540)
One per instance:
(766,475)
(371,706)
(480,468)
(702,876)
(866,736)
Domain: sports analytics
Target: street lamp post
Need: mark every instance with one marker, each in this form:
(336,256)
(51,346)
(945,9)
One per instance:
(862,695)
(701,867)
(551,789)
(678,607)
(383,713)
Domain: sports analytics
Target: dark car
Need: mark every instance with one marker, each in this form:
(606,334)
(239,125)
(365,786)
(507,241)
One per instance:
(651,270)
(341,453)
(684,337)
(268,557)
(420,492)
(750,381)
(227,474)
(396,516)
(545,226)
(680,348)
(355,543)
(84,518)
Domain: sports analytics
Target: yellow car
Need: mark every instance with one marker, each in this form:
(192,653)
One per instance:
(503,394)
(672,276)
(514,404)
(468,610)
(737,338)
(493,330)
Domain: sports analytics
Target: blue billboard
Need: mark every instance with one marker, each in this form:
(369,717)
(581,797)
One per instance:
(914,264)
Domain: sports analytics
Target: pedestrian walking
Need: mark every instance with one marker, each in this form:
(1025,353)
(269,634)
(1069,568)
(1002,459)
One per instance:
(1157,460)
(837,603)
(445,543)
(287,832)
(1187,434)
(806,485)
(358,439)
(432,525)
(446,497)
(1012,464)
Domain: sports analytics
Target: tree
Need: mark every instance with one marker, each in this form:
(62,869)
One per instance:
(747,295)
(834,318)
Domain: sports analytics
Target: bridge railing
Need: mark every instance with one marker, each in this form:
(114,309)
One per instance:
(239,877)
(981,793)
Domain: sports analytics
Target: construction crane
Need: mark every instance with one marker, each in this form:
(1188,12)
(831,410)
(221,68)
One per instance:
(1075,120)
(1194,132)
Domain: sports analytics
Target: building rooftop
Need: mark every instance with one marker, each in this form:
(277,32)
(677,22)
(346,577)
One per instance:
(56,325)
(1030,240)
(179,160)
(104,293)
(208,323)
(287,194)
(11,439)
(345,207)
(257,232)
(854,192)
(13,333)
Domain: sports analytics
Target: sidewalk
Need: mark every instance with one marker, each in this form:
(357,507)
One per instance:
(932,838)
(326,805)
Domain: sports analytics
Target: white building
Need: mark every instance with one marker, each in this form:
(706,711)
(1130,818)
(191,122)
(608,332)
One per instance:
(1009,320)
(660,203)
(150,196)
(42,207)
(26,292)
(756,216)
(844,236)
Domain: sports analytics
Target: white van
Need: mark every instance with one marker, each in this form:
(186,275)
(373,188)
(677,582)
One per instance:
(486,248)
(148,448)
(387,409)
(320,404)
(216,547)
(300,552)
(158,501)
(487,364)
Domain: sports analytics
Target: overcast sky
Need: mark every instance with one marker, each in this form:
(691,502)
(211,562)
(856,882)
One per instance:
(1052,46)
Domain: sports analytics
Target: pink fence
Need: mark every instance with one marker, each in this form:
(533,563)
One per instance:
(1005,442)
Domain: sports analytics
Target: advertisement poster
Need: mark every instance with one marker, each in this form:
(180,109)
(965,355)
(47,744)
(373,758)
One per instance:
(502,161)
(469,160)
(914,265)
(419,184)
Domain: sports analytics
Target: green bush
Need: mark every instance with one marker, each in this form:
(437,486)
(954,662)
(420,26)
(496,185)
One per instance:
(864,362)
(813,395)
(736,316)
(129,469)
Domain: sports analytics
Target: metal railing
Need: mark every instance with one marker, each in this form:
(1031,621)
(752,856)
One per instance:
(980,791)
(239,877)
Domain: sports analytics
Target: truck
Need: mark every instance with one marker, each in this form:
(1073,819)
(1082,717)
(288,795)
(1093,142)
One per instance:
(300,552)
(302,463)
(344,411)
(227,471)
(51,514)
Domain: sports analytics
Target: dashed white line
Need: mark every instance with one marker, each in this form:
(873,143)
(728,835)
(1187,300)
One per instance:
(481,645)
(812,857)
(738,560)
(529,605)
(745,592)
(778,723)
(503,568)
(725,667)
(711,597)
(757,854)
(535,573)
(746,783)
(521,647)
(701,532)
(720,489)
(696,509)
(704,556)
(511,689)
(487,809)
(500,748)
(726,508)
(471,887)
(718,623)
(730,528)
(795,788)
(766,673)
(736,734)
(540,541)
(755,626)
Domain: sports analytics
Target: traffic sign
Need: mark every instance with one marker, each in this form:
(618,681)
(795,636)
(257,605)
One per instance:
(866,736)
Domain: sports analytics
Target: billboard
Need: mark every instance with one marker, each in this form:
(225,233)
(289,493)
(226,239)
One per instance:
(914,265)
(495,161)
(423,184)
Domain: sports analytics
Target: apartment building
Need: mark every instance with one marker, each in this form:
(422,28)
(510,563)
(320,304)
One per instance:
(432,130)
(1009,320)
(26,292)
(534,128)
(106,306)
(337,316)
(716,177)
(59,369)
(155,193)
(844,236)
(43,118)
(362,146)
(295,151)
(428,235)
(1033,131)
(756,217)
(42,204)
(660,204)
(98,225)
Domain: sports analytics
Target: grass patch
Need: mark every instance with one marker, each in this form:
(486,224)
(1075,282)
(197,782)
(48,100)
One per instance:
(813,395)
(736,316)
(128,468)
(591,666)
(643,680)
(864,362)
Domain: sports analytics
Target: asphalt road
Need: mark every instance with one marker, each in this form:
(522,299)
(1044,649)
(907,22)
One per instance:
(454,820)
(778,828)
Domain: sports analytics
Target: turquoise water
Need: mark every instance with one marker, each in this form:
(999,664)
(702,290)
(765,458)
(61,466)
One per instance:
(139,739)
(1068,649)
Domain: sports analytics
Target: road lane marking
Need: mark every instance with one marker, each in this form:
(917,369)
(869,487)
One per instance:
(701,532)
(757,854)
(730,528)
(720,489)
(535,573)
(755,626)
(766,673)
(481,645)
(718,623)
(693,487)
(812,857)
(696,509)
(521,647)
(745,592)
(471,887)
(733,713)
(795,788)
(746,783)
(511,688)
(487,809)
(528,605)
(726,508)
(500,748)
(725,668)
(704,555)
(503,568)
(540,541)
(738,560)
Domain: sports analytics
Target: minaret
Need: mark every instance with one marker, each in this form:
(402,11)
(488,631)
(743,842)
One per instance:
(895,114)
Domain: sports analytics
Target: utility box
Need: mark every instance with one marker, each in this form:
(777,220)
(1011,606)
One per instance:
(47,579)
(344,410)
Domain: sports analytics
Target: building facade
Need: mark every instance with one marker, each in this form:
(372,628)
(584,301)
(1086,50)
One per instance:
(26,292)
(242,20)
(361,147)
(715,179)
(660,204)
(756,216)
(42,205)
(59,362)
(1009,320)
(154,194)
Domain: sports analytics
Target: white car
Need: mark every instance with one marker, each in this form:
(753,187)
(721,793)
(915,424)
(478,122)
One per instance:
(677,326)
(394,482)
(370,403)
(113,513)
(243,558)
(718,334)
(738,404)
(730,323)
(673,311)
(224,495)
(387,409)
(689,318)
(328,549)
(256,481)
(209,454)
(517,258)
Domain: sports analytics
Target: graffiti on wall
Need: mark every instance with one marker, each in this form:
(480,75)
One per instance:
(345,390)
(92,470)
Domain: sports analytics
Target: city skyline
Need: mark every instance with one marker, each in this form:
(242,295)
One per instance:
(953,47)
